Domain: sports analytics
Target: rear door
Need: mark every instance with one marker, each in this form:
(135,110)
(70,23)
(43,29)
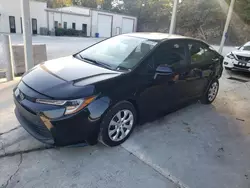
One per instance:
(202,60)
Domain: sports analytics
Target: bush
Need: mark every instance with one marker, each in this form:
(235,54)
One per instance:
(69,32)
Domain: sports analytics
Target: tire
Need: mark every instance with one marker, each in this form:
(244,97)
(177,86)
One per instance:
(111,133)
(211,92)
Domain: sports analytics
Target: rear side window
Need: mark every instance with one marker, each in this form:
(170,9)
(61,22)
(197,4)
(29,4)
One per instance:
(171,54)
(200,53)
(197,53)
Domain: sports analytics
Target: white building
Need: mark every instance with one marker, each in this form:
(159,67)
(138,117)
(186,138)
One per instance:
(10,16)
(90,21)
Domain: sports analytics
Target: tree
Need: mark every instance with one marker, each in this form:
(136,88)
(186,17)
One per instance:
(150,13)
(107,4)
(85,3)
(242,8)
(196,17)
(58,3)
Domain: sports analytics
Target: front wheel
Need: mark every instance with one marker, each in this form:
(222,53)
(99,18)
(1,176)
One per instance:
(118,124)
(211,93)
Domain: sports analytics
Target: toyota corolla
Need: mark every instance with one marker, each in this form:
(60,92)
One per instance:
(102,92)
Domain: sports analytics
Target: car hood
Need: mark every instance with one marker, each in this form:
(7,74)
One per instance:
(66,77)
(242,53)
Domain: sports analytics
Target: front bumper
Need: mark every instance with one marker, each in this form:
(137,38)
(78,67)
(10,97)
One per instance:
(236,64)
(33,125)
(81,127)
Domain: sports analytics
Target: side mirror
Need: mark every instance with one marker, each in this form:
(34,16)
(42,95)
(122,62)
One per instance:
(163,70)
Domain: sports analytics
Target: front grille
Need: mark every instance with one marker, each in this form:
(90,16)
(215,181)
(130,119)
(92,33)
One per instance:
(242,67)
(42,130)
(242,58)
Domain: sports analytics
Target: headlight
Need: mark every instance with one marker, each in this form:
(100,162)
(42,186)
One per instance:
(231,56)
(71,106)
(52,102)
(74,106)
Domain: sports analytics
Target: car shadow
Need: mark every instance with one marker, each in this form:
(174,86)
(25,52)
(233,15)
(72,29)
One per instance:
(238,74)
(160,116)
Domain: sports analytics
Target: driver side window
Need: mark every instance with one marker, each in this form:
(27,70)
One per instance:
(171,54)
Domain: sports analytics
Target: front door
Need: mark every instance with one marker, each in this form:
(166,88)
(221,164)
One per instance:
(84,29)
(12,24)
(34,26)
(173,54)
(162,92)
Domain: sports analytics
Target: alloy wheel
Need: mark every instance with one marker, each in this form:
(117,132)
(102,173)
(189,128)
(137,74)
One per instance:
(120,125)
(213,90)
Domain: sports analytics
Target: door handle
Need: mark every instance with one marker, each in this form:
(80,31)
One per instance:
(161,74)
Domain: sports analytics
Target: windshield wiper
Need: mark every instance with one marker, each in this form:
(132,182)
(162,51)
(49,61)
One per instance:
(96,62)
(120,68)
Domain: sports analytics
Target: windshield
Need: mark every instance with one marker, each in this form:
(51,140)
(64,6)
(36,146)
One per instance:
(246,47)
(118,53)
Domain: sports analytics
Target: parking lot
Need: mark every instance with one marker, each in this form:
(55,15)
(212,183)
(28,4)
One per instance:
(197,146)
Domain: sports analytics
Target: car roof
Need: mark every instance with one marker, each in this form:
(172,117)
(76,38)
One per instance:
(157,36)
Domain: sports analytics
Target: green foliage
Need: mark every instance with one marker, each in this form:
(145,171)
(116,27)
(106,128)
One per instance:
(85,3)
(151,14)
(107,4)
(193,13)
(69,32)
(242,8)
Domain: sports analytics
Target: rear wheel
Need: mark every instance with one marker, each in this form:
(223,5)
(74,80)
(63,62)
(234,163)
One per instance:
(211,93)
(118,124)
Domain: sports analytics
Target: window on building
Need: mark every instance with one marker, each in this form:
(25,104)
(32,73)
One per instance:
(84,28)
(21,21)
(65,25)
(73,25)
(55,24)
(12,24)
(34,26)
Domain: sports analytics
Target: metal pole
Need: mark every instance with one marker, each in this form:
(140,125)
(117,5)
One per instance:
(173,18)
(27,37)
(229,16)
(6,52)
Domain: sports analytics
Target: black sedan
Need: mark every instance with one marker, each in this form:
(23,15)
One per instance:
(102,92)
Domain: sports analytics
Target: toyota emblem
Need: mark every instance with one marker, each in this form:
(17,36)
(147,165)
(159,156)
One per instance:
(21,96)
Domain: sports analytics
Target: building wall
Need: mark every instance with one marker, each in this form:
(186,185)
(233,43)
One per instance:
(69,18)
(46,17)
(13,8)
(117,21)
